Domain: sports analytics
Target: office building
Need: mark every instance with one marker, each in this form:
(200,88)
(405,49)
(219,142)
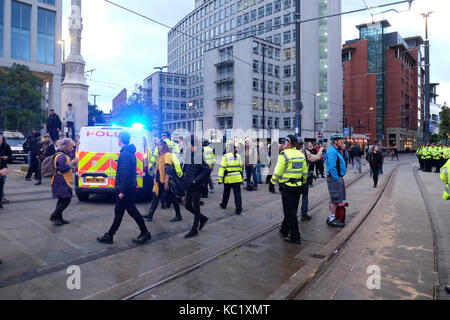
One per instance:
(29,34)
(383,85)
(197,41)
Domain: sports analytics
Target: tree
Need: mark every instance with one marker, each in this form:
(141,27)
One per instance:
(20,99)
(95,112)
(444,126)
(139,109)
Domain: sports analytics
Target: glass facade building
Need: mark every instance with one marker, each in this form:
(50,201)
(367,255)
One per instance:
(374,33)
(29,34)
(20,30)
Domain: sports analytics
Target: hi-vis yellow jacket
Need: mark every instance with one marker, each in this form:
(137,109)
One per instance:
(231,169)
(444,176)
(291,169)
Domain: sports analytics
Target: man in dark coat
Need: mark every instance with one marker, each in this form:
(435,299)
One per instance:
(53,125)
(5,155)
(35,149)
(195,178)
(126,192)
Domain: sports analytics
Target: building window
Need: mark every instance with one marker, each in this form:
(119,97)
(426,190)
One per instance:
(20,30)
(277,106)
(277,88)
(52,2)
(46,36)
(268,9)
(277,71)
(277,123)
(255,103)
(287,4)
(287,18)
(261,13)
(287,54)
(287,71)
(287,37)
(255,66)
(1,26)
(287,123)
(255,122)
(269,25)
(255,84)
(277,23)
(287,106)
(270,87)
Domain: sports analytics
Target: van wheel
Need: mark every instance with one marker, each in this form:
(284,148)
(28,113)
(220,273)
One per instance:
(83,196)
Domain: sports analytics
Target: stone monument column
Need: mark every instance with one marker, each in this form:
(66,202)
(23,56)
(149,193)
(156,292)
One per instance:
(74,89)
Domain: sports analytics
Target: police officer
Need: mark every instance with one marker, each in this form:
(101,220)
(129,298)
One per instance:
(444,177)
(210,159)
(419,157)
(427,158)
(291,172)
(230,173)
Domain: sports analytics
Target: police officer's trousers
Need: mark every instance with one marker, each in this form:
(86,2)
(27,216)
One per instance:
(290,197)
(428,164)
(237,195)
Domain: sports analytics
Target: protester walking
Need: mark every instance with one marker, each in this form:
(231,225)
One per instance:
(161,188)
(35,149)
(395,153)
(375,159)
(126,192)
(196,173)
(53,125)
(356,153)
(62,181)
(5,155)
(69,118)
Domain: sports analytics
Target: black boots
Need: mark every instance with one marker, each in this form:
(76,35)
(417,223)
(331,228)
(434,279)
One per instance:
(107,238)
(143,238)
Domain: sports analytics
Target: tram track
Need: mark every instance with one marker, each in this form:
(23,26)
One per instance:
(185,271)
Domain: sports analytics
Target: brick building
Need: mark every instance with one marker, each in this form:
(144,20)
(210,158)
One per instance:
(383,85)
(119,102)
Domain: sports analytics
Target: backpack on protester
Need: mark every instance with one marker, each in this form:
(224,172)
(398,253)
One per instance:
(340,212)
(26,146)
(48,168)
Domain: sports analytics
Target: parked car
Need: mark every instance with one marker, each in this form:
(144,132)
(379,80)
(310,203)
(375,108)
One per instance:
(16,140)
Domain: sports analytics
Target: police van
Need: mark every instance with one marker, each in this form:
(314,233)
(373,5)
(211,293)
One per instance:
(98,151)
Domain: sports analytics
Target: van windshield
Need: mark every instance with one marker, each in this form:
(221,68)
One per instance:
(106,141)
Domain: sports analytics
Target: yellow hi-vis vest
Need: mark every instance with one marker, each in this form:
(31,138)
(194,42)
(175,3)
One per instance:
(419,152)
(444,177)
(447,153)
(230,169)
(209,156)
(291,169)
(435,153)
(173,148)
(426,153)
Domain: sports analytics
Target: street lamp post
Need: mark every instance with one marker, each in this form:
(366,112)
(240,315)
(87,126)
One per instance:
(315,98)
(426,133)
(160,120)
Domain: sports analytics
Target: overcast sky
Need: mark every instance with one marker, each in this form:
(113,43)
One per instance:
(124,48)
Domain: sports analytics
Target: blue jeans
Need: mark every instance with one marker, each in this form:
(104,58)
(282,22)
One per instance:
(259,166)
(2,196)
(305,193)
